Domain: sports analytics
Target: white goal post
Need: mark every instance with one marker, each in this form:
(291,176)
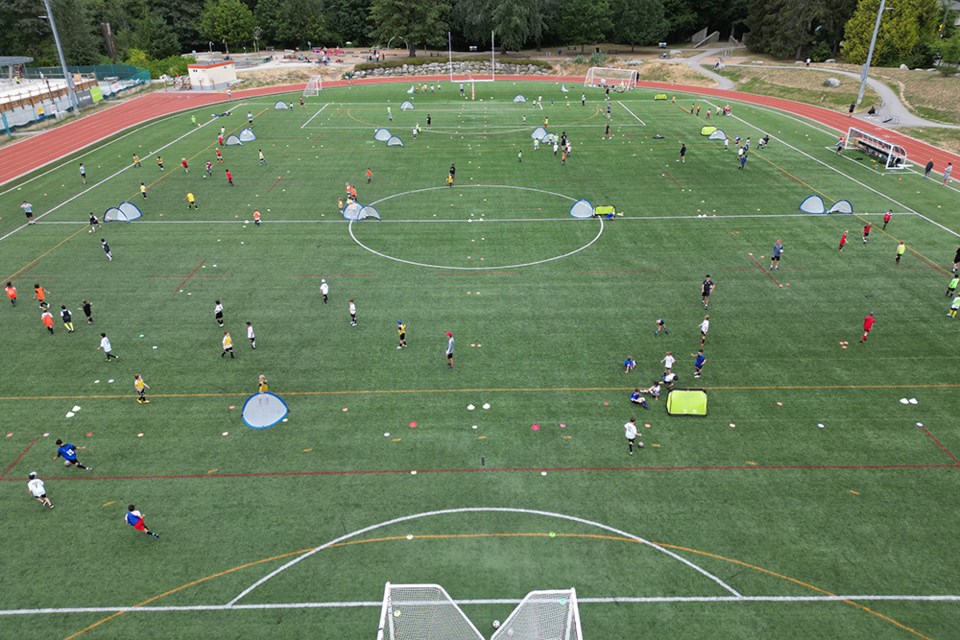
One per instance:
(885,152)
(541,615)
(611,78)
(313,87)
(422,612)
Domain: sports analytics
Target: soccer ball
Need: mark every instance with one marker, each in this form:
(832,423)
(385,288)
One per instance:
(66,463)
(496,624)
(640,445)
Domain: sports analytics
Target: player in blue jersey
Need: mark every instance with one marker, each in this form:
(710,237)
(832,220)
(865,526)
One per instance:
(69,454)
(637,398)
(698,362)
(135,519)
(629,364)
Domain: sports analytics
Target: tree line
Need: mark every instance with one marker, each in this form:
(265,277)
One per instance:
(152,30)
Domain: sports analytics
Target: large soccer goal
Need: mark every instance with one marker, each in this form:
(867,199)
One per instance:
(611,78)
(426,612)
(313,87)
(885,152)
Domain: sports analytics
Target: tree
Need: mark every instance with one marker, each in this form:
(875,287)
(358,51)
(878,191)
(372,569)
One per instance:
(347,20)
(418,22)
(584,21)
(907,30)
(781,28)
(638,22)
(292,22)
(682,20)
(227,21)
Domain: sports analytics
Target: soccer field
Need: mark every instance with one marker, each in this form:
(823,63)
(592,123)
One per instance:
(817,498)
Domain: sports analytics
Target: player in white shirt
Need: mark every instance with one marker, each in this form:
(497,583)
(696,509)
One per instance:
(704,328)
(630,431)
(353,314)
(37,490)
(668,361)
(251,336)
(218,313)
(107,347)
(449,352)
(324,289)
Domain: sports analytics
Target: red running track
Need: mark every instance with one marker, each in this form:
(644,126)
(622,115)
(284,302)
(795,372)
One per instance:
(29,154)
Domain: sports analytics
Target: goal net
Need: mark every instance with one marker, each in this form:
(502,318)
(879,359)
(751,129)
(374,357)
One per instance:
(313,87)
(885,152)
(611,78)
(422,612)
(543,615)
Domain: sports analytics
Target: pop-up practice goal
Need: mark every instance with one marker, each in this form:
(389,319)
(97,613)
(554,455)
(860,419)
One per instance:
(427,612)
(885,152)
(687,402)
(611,78)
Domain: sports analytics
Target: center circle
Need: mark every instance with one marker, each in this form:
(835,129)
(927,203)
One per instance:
(478,221)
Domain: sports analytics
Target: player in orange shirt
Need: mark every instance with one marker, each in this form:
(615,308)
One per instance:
(41,295)
(369,175)
(47,319)
(12,293)
(256,217)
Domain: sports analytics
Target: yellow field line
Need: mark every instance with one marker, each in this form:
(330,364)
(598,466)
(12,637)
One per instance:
(462,536)
(44,254)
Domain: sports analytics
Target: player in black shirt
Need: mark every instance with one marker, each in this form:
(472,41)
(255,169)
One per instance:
(705,289)
(87,311)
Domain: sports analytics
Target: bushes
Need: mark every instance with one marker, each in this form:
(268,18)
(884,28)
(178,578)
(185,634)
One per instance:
(393,64)
(171,65)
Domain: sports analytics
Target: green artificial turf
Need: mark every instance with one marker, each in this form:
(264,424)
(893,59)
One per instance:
(544,309)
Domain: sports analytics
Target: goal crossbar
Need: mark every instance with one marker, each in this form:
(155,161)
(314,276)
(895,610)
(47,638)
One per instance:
(611,78)
(886,152)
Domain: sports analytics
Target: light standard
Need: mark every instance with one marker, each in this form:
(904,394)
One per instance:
(71,90)
(873,43)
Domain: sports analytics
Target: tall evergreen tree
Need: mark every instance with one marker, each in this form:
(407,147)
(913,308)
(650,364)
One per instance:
(418,22)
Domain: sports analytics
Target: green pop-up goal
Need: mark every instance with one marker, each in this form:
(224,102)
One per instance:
(687,402)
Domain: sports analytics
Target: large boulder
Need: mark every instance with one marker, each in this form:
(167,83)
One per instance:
(831,82)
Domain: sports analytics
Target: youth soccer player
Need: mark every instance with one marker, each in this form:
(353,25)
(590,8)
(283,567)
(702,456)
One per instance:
(41,295)
(886,217)
(219,156)
(94,222)
(67,318)
(68,452)
(28,211)
(324,290)
(775,254)
(256,217)
(706,288)
(36,489)
(867,326)
(952,286)
(866,232)
(668,361)
(402,334)
(251,336)
(183,163)
(218,313)
(263,160)
(901,249)
(136,160)
(83,173)
(106,249)
(262,384)
(449,351)
(208,166)
(956,260)
(661,326)
(954,307)
(135,519)
(141,388)
(353,313)
(160,162)
(630,431)
(229,177)
(143,190)
(191,201)
(47,319)
(637,398)
(107,347)
(227,343)
(698,361)
(11,294)
(653,390)
(87,310)
(370,175)
(704,328)
(843,240)
(629,364)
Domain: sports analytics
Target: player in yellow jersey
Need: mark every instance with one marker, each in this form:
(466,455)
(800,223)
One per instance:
(141,388)
(262,384)
(402,333)
(227,345)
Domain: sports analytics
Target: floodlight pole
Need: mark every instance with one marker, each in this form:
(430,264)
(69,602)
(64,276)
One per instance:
(71,90)
(873,44)
(493,56)
(450,55)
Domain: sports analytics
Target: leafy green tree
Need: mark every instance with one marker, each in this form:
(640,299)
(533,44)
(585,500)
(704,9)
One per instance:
(227,21)
(25,34)
(347,20)
(906,31)
(80,45)
(418,22)
(682,20)
(781,28)
(584,21)
(292,22)
(638,22)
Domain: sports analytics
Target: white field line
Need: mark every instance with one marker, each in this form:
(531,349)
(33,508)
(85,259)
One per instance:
(314,115)
(489,601)
(536,512)
(105,180)
(337,220)
(627,109)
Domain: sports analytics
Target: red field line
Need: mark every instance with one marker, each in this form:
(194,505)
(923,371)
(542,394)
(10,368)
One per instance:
(942,448)
(672,179)
(18,458)
(764,271)
(275,183)
(371,472)
(192,273)
(20,158)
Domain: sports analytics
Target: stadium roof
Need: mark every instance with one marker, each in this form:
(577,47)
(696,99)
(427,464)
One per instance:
(8,61)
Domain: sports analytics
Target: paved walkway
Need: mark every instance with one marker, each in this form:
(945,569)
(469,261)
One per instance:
(890,104)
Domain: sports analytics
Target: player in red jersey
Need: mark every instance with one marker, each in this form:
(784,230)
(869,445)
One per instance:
(866,232)
(843,240)
(886,218)
(867,326)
